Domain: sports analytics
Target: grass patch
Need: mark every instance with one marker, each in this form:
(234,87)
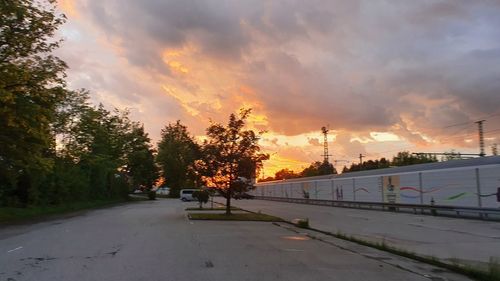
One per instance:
(212,209)
(234,217)
(10,215)
(492,274)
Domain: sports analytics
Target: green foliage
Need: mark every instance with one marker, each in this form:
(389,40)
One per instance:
(231,157)
(317,169)
(202,196)
(368,165)
(140,160)
(111,150)
(285,174)
(403,158)
(99,154)
(177,153)
(31,87)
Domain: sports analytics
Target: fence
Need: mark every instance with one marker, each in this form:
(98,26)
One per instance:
(469,189)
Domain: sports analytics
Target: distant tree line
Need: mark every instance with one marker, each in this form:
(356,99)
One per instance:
(403,158)
(315,169)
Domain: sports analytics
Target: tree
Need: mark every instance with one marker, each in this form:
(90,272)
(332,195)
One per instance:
(285,174)
(31,87)
(177,152)
(202,196)
(267,179)
(451,155)
(112,152)
(231,157)
(318,168)
(405,158)
(141,166)
(345,170)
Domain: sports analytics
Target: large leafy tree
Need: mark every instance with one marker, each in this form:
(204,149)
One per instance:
(231,157)
(107,145)
(140,164)
(31,87)
(177,153)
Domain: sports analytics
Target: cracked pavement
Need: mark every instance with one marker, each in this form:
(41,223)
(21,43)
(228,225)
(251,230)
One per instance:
(154,240)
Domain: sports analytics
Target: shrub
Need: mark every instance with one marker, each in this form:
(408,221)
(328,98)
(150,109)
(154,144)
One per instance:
(152,195)
(303,223)
(202,196)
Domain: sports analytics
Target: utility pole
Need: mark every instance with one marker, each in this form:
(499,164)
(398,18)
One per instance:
(325,155)
(481,137)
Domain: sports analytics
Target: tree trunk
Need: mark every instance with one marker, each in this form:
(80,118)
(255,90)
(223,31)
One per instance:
(228,203)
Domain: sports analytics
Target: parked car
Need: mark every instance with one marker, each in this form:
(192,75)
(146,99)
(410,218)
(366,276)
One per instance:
(163,191)
(187,194)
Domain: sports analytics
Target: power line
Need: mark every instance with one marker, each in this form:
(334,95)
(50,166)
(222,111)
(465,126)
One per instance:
(491,131)
(470,122)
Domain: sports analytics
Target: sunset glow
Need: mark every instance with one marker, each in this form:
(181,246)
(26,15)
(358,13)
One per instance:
(384,77)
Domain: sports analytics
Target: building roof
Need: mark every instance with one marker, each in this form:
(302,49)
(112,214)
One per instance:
(490,160)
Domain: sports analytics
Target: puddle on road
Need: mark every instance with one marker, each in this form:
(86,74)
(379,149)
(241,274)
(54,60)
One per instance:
(296,238)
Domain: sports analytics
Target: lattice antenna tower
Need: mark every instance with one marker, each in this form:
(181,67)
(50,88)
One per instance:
(325,155)
(481,137)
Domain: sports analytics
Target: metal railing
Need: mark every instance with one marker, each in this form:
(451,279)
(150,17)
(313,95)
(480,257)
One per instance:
(434,210)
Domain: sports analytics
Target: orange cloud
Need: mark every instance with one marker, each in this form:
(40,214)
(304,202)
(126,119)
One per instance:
(69,8)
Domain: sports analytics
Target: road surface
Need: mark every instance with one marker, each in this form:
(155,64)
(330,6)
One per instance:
(154,240)
(471,241)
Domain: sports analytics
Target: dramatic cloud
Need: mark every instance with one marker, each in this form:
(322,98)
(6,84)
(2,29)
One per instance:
(409,68)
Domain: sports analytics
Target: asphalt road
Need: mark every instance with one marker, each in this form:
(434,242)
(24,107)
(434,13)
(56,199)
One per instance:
(154,240)
(471,241)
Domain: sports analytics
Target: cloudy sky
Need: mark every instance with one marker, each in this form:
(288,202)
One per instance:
(385,76)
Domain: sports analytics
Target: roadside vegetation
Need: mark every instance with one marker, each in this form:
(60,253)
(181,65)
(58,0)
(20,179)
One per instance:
(403,158)
(490,273)
(11,215)
(57,151)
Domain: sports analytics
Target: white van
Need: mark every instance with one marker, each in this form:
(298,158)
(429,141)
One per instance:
(187,194)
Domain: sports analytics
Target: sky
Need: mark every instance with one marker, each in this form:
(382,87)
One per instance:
(383,76)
